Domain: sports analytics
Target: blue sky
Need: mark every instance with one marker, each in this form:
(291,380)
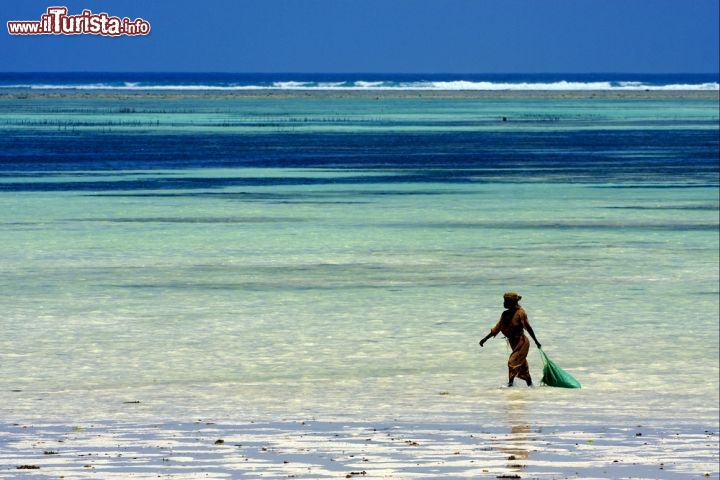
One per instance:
(403,36)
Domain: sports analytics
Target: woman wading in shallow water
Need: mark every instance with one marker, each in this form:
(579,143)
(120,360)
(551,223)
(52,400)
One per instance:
(512,324)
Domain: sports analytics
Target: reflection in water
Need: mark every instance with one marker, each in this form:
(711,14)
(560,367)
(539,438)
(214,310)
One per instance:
(515,444)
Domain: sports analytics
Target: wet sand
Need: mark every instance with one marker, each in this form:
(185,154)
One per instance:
(353,449)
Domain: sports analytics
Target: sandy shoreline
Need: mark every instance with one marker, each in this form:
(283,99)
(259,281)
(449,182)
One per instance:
(706,95)
(353,449)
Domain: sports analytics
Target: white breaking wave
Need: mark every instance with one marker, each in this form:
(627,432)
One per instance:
(291,85)
(364,84)
(454,85)
(560,86)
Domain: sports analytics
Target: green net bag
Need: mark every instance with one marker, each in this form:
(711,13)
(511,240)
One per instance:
(554,376)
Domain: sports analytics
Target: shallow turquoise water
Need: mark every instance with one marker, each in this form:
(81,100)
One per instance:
(240,290)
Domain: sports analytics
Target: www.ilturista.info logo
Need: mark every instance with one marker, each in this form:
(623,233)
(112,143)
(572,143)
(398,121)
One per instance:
(57,22)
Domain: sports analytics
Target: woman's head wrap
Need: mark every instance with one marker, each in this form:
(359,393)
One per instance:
(512,297)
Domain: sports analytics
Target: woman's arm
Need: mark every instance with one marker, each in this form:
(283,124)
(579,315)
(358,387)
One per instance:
(482,342)
(532,334)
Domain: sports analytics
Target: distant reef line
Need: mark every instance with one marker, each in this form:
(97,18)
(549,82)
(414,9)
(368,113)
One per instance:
(708,95)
